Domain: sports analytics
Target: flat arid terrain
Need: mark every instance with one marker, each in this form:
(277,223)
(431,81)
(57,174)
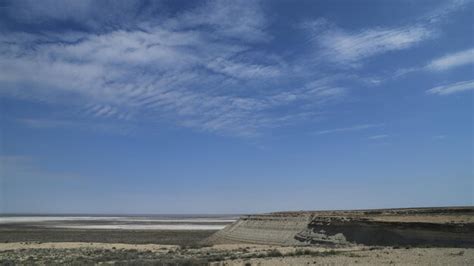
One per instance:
(429,236)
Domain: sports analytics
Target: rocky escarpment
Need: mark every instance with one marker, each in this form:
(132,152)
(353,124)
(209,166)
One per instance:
(386,233)
(264,229)
(390,227)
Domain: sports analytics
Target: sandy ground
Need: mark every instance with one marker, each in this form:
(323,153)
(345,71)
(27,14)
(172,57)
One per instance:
(79,245)
(238,254)
(386,256)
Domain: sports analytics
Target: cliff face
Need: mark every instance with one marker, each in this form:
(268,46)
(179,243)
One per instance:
(427,226)
(388,233)
(264,229)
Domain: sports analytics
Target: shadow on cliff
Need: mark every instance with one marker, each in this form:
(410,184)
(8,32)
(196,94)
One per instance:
(391,233)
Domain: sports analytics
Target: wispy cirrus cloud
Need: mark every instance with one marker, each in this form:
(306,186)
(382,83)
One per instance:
(381,136)
(198,68)
(351,47)
(236,20)
(343,47)
(348,129)
(452,88)
(452,60)
(201,67)
(443,63)
(447,8)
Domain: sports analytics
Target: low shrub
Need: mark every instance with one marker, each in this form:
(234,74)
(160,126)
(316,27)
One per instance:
(274,253)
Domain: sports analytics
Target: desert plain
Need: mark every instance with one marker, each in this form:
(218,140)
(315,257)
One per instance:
(426,236)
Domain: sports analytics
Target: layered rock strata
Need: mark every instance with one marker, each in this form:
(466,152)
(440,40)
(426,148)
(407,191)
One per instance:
(390,227)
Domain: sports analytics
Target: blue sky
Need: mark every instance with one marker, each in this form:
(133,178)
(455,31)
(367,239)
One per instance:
(235,106)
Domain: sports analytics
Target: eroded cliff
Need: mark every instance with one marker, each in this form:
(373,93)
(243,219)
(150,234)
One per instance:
(388,227)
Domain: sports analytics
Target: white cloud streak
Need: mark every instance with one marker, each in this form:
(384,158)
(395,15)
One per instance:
(344,48)
(346,129)
(382,136)
(231,19)
(444,63)
(350,48)
(453,60)
(452,88)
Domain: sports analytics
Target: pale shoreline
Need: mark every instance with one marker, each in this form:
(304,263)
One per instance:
(35,219)
(182,227)
(119,222)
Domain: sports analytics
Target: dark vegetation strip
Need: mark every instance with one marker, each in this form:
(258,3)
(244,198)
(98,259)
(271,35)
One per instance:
(181,256)
(165,237)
